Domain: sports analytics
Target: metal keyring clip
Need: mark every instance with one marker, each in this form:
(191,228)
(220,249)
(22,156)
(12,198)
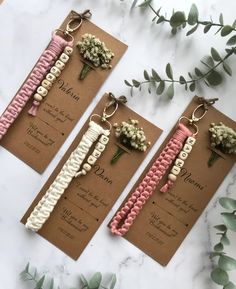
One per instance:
(197,118)
(71,26)
(101,118)
(105,115)
(191,123)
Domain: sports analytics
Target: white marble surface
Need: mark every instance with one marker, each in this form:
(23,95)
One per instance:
(25,30)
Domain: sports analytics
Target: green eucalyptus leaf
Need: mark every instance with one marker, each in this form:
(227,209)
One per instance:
(192,86)
(227,29)
(26,270)
(219,276)
(39,284)
(225,240)
(228,50)
(231,41)
(234,24)
(230,285)
(215,254)
(51,285)
(221,228)
(170,91)
(177,19)
(95,281)
(208,61)
(227,263)
(198,72)
(113,281)
(135,83)
(215,54)
(191,31)
(193,15)
(154,18)
(229,221)
(227,69)
(145,4)
(207,27)
(219,247)
(214,78)
(158,11)
(221,19)
(160,19)
(228,203)
(127,83)
(169,71)
(160,87)
(146,75)
(173,30)
(133,4)
(190,75)
(83,280)
(155,76)
(182,80)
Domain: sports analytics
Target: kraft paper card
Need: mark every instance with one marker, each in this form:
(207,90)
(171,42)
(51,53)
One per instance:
(88,199)
(167,218)
(36,140)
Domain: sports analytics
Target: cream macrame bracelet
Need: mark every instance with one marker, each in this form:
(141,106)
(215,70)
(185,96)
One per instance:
(74,166)
(70,170)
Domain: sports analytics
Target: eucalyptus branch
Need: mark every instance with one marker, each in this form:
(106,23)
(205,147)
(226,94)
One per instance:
(178,20)
(211,76)
(225,263)
(40,283)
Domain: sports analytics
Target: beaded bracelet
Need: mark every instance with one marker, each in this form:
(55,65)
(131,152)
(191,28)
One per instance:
(74,167)
(58,49)
(180,145)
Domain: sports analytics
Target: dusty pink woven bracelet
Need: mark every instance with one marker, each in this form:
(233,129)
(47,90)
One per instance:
(44,73)
(45,62)
(133,206)
(177,150)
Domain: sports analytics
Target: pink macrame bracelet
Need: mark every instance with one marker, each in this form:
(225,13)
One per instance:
(45,62)
(127,214)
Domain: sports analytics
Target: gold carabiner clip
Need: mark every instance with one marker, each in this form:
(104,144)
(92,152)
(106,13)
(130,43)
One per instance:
(105,115)
(197,118)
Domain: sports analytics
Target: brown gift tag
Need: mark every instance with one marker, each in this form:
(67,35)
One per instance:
(88,199)
(36,140)
(166,219)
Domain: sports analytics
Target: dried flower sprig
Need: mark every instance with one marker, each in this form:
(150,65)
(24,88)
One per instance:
(222,138)
(93,50)
(225,263)
(95,282)
(130,136)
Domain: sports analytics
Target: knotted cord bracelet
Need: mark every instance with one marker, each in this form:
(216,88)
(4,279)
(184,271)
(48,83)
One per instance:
(49,79)
(125,217)
(69,170)
(45,62)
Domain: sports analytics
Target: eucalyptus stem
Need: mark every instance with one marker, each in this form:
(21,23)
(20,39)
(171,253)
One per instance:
(201,77)
(224,263)
(198,22)
(210,77)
